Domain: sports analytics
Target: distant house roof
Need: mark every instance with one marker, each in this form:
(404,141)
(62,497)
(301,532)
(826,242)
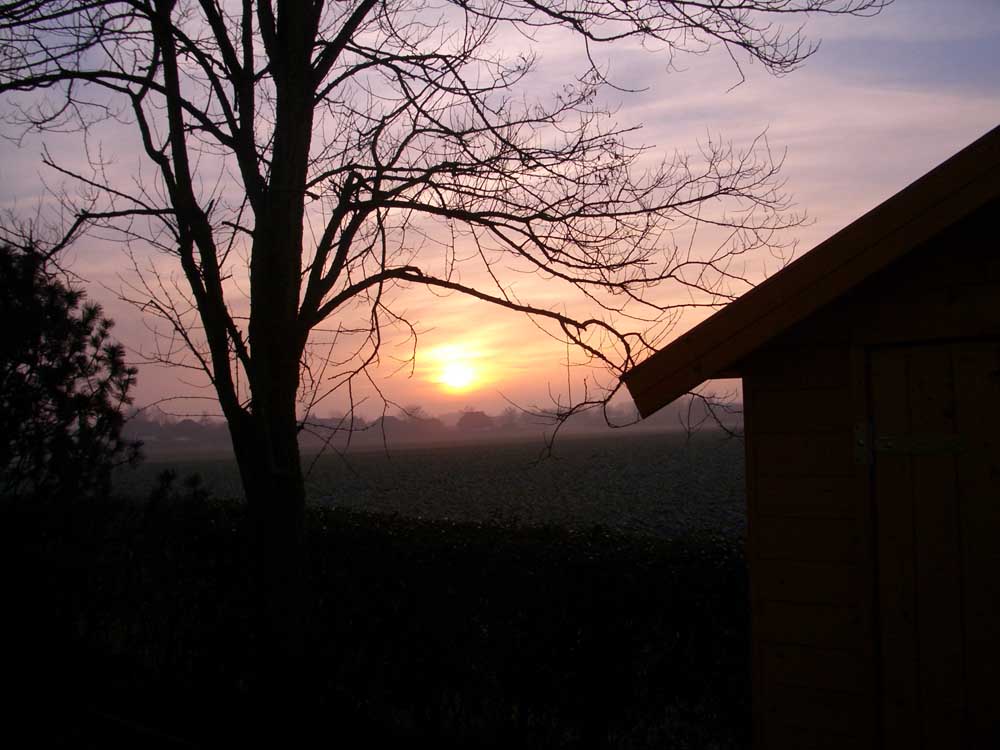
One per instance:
(716,347)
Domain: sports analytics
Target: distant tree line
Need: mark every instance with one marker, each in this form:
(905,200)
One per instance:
(414,424)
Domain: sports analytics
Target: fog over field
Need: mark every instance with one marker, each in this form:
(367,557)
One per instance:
(664,484)
(169,436)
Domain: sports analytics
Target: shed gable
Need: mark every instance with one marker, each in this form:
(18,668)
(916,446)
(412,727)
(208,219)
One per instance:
(940,199)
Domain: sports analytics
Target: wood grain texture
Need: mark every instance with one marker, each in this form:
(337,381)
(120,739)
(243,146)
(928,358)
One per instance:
(937,554)
(754,582)
(977,413)
(809,582)
(806,454)
(821,709)
(808,539)
(793,496)
(895,542)
(799,410)
(937,529)
(784,737)
(817,625)
(832,669)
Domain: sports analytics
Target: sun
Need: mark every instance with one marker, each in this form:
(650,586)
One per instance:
(457,376)
(457,368)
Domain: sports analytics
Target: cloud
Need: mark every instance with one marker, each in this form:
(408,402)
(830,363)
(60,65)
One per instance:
(916,21)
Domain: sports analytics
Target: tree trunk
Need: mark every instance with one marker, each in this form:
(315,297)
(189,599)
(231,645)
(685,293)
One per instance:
(272,479)
(269,459)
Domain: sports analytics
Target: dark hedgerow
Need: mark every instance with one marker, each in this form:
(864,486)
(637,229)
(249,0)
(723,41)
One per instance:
(465,634)
(63,384)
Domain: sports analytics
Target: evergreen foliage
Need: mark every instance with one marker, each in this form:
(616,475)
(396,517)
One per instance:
(64,384)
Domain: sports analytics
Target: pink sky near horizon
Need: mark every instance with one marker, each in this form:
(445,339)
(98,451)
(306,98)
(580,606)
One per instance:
(883,101)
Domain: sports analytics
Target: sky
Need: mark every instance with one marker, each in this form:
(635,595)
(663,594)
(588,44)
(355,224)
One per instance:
(881,102)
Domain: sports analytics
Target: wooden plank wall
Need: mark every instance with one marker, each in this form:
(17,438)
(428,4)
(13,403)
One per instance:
(977,416)
(918,544)
(946,289)
(936,507)
(811,536)
(809,552)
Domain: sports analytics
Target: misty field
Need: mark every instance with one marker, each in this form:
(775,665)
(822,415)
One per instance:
(660,484)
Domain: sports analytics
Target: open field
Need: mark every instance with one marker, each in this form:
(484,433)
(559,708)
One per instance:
(659,484)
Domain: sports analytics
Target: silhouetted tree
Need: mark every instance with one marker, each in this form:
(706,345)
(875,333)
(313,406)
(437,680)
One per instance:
(475,421)
(64,385)
(510,418)
(326,149)
(414,412)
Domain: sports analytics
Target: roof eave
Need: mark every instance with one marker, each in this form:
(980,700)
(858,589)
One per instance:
(717,346)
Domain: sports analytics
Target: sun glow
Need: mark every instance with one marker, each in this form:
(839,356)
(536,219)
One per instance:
(457,376)
(457,368)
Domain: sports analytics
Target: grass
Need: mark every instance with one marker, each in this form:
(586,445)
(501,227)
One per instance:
(468,633)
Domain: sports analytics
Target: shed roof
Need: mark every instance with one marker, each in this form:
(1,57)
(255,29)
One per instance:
(717,346)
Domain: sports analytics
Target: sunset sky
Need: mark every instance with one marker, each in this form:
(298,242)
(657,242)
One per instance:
(882,101)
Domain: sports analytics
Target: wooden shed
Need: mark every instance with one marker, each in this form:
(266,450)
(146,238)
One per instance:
(871,386)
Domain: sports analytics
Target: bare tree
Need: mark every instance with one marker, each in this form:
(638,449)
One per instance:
(316,157)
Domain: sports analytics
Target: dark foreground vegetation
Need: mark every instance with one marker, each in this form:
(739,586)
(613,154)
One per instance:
(128,622)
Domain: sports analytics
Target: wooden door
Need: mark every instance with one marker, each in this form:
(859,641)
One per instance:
(935,416)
